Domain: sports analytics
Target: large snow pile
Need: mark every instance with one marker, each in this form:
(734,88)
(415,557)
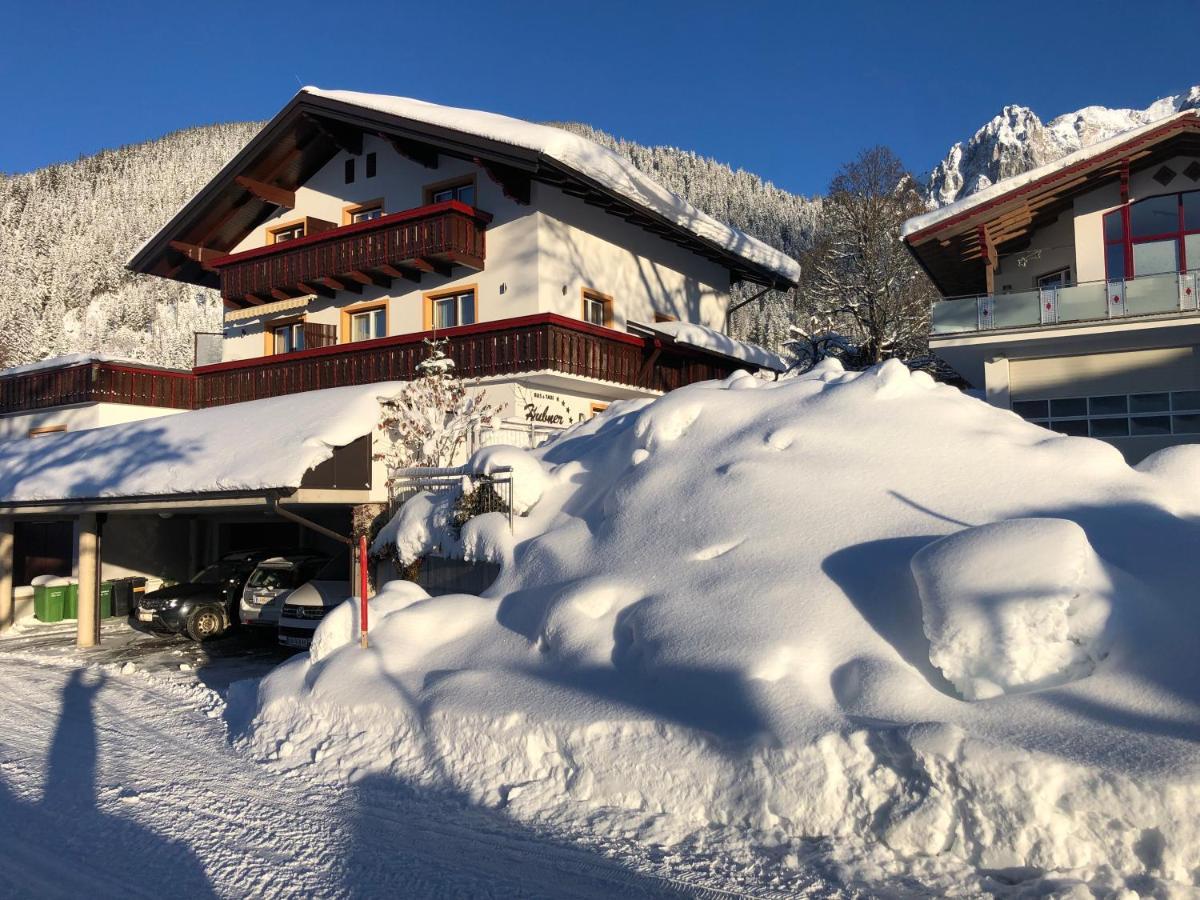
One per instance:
(707,632)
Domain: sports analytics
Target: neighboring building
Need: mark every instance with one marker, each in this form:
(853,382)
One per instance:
(349,230)
(1070,292)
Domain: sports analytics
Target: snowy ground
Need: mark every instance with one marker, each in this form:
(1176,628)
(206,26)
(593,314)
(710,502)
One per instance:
(118,778)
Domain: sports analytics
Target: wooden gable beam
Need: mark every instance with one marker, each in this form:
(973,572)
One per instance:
(425,264)
(342,284)
(316,288)
(268,193)
(403,272)
(422,154)
(989,255)
(253,300)
(348,139)
(517,186)
(202,255)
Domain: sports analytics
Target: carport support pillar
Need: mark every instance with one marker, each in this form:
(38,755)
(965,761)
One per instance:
(87,632)
(6,573)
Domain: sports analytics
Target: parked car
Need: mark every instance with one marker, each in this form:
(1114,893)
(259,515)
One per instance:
(306,606)
(271,582)
(204,606)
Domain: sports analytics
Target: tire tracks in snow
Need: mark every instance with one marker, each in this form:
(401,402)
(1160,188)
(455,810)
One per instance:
(165,772)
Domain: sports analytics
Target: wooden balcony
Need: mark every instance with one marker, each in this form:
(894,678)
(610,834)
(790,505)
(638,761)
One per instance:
(96,382)
(540,343)
(543,342)
(402,245)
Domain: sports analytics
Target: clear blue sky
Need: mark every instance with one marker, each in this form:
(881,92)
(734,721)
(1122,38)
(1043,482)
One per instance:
(786,90)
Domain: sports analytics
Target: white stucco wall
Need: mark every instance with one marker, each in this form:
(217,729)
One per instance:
(77,418)
(532,253)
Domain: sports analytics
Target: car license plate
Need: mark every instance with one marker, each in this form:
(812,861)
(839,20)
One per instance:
(287,641)
(144,616)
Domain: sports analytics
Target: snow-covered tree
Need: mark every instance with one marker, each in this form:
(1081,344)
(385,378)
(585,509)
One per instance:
(430,420)
(859,280)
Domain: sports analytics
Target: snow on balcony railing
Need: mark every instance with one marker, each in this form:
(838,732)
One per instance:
(1095,301)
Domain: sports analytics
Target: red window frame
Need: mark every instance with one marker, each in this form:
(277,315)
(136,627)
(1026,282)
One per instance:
(1127,240)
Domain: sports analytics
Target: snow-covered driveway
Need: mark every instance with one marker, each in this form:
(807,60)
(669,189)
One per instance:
(125,785)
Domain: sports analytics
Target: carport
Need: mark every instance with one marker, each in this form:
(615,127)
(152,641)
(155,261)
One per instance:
(168,495)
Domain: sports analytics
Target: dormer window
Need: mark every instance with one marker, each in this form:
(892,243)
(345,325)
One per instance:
(288,232)
(461,189)
(363,212)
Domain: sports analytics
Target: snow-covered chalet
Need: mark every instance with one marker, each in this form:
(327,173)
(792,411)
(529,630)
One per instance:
(348,230)
(1070,292)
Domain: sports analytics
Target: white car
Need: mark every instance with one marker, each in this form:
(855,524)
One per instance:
(305,607)
(272,581)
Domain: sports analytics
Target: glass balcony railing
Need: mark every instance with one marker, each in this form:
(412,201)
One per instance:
(1150,295)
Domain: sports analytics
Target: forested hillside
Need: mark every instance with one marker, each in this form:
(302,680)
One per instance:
(67,230)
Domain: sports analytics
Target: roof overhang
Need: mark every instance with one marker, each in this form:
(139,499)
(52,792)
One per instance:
(953,248)
(311,129)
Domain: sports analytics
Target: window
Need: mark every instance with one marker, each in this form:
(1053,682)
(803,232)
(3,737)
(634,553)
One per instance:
(368,324)
(1153,236)
(288,232)
(44,430)
(664,317)
(1054,280)
(287,338)
(362,212)
(462,190)
(350,170)
(452,310)
(370,165)
(597,308)
(1116,415)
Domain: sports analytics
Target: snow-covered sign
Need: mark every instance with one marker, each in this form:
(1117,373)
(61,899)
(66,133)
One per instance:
(260,445)
(582,156)
(705,338)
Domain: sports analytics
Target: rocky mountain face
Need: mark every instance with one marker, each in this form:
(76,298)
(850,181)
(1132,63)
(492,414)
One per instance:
(1016,141)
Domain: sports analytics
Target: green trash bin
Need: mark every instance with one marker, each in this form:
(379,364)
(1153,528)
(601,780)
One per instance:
(49,601)
(71,604)
(71,600)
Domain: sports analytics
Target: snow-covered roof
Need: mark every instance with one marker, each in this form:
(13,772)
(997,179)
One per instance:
(255,446)
(78,359)
(717,341)
(583,156)
(1007,185)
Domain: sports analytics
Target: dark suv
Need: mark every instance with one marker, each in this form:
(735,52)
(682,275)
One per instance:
(204,607)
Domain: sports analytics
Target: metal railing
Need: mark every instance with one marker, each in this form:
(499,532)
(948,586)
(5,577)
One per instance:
(1095,301)
(488,493)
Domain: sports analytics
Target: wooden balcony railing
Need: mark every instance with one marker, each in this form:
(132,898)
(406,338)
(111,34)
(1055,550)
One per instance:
(528,344)
(96,382)
(404,244)
(543,342)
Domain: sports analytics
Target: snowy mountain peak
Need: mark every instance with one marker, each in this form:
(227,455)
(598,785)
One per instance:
(1017,140)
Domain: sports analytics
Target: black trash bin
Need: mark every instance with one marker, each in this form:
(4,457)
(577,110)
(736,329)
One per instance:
(138,591)
(122,597)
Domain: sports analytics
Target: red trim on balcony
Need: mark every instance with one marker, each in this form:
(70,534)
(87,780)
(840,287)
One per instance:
(350,230)
(400,340)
